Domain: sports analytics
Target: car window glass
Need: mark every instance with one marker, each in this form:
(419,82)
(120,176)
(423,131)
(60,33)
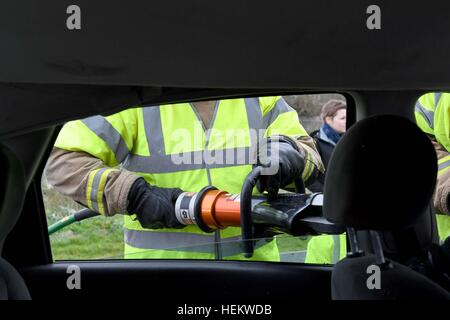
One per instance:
(322,117)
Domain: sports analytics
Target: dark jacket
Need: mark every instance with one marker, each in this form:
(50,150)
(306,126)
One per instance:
(325,147)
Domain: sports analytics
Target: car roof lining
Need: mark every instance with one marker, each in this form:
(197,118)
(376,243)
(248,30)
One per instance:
(164,51)
(318,45)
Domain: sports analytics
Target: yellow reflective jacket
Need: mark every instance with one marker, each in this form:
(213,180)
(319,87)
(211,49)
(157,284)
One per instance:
(166,145)
(432,112)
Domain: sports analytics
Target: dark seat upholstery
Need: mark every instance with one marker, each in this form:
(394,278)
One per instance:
(12,193)
(12,286)
(350,276)
(380,180)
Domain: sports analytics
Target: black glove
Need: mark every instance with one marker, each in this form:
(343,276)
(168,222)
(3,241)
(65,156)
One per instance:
(153,206)
(291,164)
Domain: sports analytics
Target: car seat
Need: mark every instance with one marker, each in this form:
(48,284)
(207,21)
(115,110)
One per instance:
(12,186)
(380,180)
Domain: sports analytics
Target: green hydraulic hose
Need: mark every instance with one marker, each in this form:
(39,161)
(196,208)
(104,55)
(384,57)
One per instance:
(64,222)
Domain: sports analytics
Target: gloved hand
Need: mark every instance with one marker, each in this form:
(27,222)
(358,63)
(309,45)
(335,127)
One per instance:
(291,164)
(153,206)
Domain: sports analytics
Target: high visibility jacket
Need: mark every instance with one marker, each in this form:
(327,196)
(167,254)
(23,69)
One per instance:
(167,145)
(326,249)
(432,113)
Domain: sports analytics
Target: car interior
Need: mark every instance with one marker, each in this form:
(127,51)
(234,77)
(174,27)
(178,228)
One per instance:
(163,52)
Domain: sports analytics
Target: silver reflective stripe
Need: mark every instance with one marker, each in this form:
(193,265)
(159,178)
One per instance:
(167,240)
(94,190)
(183,242)
(427,114)
(444,165)
(190,160)
(336,248)
(159,163)
(437,97)
(280,107)
(254,115)
(254,118)
(153,130)
(233,248)
(104,130)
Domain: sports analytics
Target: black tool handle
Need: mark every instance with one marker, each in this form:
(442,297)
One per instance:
(246,210)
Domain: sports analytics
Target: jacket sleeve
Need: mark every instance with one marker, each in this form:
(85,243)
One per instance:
(84,164)
(433,117)
(88,181)
(109,138)
(313,163)
(282,119)
(442,193)
(424,113)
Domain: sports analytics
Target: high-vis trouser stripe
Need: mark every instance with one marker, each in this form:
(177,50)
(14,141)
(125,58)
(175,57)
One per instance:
(183,241)
(428,115)
(443,164)
(104,130)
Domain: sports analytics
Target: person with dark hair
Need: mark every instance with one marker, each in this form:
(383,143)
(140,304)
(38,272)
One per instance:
(334,116)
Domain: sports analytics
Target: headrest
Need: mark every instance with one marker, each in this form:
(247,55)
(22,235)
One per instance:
(381,175)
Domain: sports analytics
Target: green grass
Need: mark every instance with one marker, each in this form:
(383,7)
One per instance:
(96,238)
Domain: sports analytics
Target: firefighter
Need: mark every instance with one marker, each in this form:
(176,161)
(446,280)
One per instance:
(432,113)
(138,161)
